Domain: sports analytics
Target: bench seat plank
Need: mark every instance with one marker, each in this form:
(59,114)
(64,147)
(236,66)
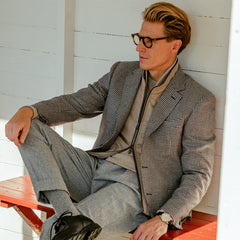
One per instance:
(19,194)
(19,191)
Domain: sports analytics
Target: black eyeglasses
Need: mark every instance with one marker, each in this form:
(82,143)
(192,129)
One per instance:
(147,41)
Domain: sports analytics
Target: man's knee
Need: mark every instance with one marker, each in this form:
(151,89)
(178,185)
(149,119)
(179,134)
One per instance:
(38,126)
(36,123)
(35,131)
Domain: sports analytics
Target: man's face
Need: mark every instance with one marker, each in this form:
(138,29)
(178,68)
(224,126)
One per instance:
(161,55)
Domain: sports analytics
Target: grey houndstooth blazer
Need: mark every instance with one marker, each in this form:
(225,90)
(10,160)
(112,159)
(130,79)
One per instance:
(178,149)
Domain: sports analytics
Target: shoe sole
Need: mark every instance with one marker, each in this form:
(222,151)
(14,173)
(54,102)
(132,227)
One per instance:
(93,233)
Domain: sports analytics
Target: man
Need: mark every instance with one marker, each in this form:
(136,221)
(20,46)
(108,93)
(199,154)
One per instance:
(152,160)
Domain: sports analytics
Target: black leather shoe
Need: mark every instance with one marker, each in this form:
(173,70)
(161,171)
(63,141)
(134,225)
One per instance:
(75,228)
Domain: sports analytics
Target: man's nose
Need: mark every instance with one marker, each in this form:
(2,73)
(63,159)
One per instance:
(140,46)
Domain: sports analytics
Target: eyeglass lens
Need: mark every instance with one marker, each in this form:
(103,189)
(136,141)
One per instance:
(146,41)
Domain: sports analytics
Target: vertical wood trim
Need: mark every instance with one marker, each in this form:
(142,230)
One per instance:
(229,211)
(65,55)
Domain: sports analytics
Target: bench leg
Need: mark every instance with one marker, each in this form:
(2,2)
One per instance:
(30,218)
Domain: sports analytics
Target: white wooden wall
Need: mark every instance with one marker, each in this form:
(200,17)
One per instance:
(28,43)
(31,56)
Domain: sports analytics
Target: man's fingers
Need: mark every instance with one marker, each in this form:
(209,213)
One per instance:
(17,143)
(23,134)
(139,234)
(11,132)
(18,126)
(152,229)
(16,134)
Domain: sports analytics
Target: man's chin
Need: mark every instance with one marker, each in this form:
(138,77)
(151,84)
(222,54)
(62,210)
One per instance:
(144,66)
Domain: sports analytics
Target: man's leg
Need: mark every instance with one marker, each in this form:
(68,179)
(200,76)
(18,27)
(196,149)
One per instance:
(116,215)
(58,170)
(115,202)
(54,164)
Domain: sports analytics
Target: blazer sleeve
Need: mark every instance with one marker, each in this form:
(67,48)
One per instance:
(198,144)
(85,103)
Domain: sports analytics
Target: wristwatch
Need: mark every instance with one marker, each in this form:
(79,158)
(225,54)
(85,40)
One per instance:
(165,217)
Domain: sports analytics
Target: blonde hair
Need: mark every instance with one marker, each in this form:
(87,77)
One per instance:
(175,20)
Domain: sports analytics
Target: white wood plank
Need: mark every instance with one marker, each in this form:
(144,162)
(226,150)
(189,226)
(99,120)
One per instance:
(213,8)
(10,234)
(215,34)
(27,85)
(10,158)
(35,63)
(209,59)
(9,154)
(28,38)
(125,17)
(8,171)
(10,104)
(87,127)
(29,12)
(104,46)
(10,228)
(83,140)
(115,17)
(89,70)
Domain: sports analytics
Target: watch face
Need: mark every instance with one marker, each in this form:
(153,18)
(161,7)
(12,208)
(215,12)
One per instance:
(166,217)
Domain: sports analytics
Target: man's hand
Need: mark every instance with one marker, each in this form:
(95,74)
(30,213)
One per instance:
(16,130)
(152,229)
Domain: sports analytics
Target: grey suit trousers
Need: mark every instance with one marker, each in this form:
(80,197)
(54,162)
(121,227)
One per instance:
(103,191)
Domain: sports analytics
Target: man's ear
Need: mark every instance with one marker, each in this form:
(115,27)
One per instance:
(176,45)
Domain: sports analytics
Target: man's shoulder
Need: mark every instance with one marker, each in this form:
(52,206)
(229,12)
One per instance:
(196,88)
(126,66)
(130,64)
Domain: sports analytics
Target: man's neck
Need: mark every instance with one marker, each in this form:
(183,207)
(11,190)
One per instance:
(158,73)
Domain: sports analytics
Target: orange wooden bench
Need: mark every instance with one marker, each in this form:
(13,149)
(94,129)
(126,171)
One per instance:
(18,193)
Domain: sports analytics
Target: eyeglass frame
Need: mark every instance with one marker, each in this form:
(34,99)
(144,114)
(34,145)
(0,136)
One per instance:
(143,39)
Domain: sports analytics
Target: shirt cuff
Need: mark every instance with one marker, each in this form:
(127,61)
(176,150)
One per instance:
(35,112)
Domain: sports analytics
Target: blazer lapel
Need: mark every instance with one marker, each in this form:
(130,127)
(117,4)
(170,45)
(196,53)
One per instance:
(129,92)
(166,103)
